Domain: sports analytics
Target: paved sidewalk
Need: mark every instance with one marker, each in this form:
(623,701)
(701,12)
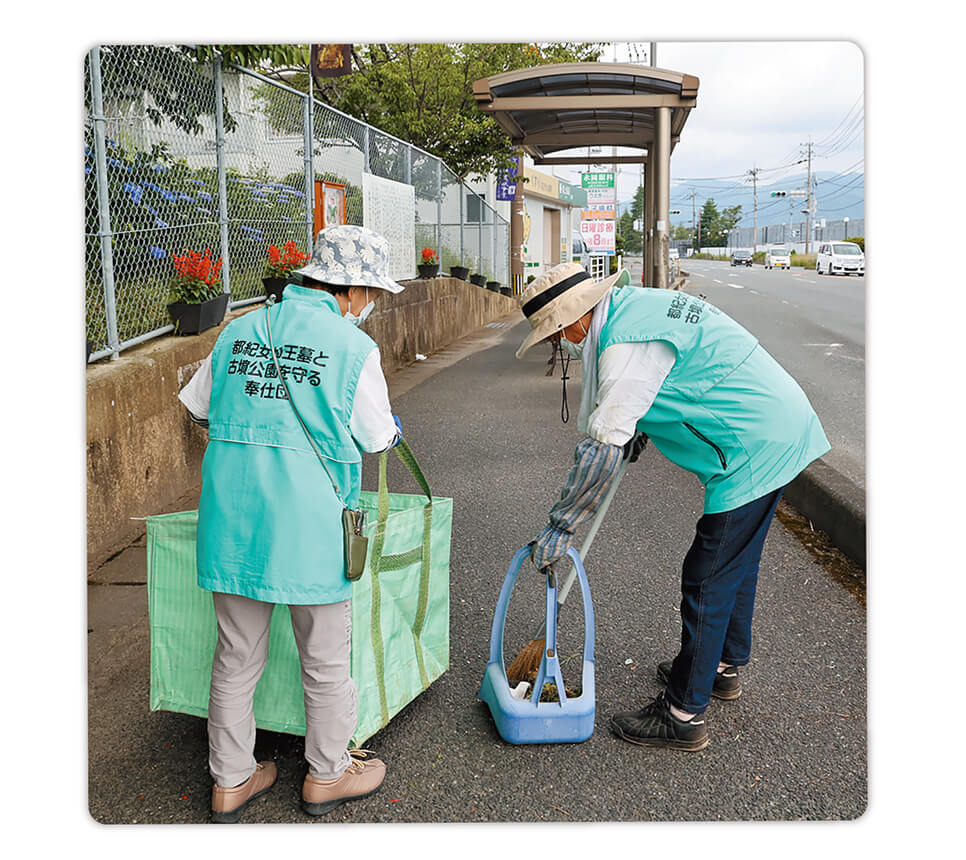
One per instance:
(486,429)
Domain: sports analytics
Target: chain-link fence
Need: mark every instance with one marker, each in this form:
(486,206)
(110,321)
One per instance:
(186,155)
(794,234)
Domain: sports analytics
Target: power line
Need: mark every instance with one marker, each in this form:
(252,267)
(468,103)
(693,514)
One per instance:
(846,119)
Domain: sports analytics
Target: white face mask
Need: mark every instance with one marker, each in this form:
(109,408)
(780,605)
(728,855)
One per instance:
(574,350)
(356,320)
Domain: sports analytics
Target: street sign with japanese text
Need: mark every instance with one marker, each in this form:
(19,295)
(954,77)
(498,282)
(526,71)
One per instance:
(506,186)
(604,210)
(598,236)
(596,180)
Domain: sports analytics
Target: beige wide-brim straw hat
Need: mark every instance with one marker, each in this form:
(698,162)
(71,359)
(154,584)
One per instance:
(558,298)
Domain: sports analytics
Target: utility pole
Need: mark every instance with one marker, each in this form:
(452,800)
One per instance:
(808,204)
(753,173)
(692,195)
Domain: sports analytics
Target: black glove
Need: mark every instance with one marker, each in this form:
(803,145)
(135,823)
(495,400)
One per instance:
(634,446)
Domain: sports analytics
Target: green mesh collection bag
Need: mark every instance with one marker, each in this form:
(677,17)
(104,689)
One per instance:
(400,615)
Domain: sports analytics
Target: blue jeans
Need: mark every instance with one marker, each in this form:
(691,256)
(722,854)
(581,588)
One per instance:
(718,582)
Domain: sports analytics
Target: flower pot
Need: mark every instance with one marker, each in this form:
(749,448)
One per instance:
(195,318)
(506,291)
(493,286)
(460,272)
(428,270)
(479,280)
(274,287)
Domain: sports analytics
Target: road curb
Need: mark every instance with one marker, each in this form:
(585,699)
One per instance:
(835,505)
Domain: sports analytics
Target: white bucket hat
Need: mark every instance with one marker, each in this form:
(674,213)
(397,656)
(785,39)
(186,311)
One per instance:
(558,298)
(350,256)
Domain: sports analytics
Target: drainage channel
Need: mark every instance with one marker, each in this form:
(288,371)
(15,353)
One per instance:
(832,560)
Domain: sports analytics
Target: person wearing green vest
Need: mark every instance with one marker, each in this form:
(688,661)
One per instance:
(270,525)
(665,366)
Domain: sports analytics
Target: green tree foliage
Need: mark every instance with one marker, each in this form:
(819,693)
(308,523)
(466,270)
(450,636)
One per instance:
(423,93)
(630,236)
(715,225)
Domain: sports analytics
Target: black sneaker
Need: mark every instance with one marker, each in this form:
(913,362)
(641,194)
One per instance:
(655,726)
(727,684)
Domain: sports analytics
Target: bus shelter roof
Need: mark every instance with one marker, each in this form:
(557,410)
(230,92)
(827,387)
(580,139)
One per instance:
(547,110)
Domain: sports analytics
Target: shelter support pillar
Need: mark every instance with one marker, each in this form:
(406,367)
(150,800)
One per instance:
(648,267)
(662,194)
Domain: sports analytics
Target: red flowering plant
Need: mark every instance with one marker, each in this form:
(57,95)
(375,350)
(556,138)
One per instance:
(429,257)
(197,278)
(281,262)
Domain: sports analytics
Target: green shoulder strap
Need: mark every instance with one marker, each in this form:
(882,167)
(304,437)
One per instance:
(379,563)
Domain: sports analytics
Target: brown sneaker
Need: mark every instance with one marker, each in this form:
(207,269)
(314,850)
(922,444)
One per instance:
(228,804)
(361,778)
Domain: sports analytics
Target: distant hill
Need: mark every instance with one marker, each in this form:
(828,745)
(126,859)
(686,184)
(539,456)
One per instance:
(837,196)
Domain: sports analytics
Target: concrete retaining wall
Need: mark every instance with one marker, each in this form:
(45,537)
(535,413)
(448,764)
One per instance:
(143,453)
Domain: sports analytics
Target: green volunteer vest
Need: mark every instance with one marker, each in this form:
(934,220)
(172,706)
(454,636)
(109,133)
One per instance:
(727,411)
(269,519)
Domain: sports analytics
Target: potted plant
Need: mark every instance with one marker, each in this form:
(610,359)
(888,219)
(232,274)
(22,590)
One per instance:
(279,267)
(429,267)
(479,280)
(460,272)
(196,302)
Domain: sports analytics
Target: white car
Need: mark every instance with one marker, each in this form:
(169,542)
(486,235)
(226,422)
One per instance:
(778,258)
(840,258)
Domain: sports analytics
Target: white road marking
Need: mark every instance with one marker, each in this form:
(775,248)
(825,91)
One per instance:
(716,280)
(736,286)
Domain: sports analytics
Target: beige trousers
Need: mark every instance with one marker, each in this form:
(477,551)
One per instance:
(323,635)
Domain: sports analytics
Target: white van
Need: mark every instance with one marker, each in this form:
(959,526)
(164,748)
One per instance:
(840,258)
(778,258)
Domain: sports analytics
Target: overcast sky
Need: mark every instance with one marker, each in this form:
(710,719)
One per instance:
(758,104)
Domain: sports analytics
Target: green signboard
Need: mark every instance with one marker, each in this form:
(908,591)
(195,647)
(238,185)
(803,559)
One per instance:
(597,180)
(571,194)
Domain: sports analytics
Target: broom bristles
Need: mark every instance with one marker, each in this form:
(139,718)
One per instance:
(527,662)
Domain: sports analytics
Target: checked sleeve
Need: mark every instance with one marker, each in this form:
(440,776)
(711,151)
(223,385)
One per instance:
(594,470)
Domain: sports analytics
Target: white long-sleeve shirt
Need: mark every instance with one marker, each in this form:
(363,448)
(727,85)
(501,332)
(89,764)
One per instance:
(370,421)
(629,375)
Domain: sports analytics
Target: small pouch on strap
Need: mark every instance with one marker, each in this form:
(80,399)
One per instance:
(356,543)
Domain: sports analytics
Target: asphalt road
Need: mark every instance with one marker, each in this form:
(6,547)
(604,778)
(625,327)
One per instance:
(486,430)
(814,325)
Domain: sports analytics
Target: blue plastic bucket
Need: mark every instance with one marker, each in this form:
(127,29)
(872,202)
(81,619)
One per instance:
(530,721)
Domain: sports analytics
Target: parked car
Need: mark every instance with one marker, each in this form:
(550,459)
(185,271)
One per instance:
(840,258)
(778,258)
(741,258)
(579,252)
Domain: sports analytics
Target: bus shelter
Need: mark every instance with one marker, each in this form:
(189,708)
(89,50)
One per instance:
(550,112)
